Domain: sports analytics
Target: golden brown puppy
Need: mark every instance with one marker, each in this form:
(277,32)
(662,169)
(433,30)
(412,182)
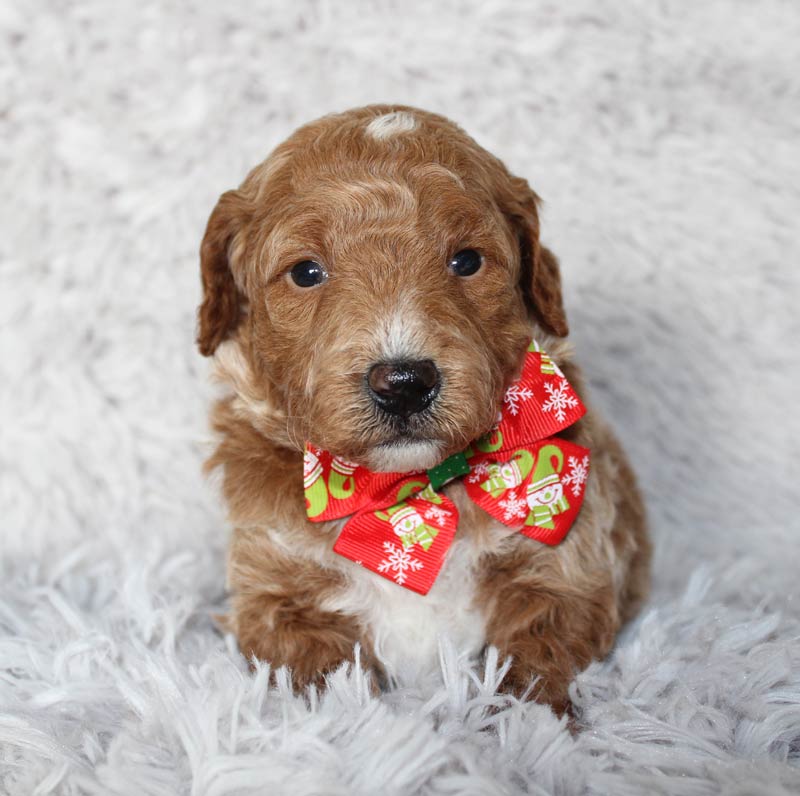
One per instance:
(337,253)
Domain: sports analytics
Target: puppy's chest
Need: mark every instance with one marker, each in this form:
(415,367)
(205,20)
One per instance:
(405,628)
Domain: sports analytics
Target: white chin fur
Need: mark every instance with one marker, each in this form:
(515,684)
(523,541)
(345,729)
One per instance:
(404,456)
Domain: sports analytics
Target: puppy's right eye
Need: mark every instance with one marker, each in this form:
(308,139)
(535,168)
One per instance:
(466,262)
(308,273)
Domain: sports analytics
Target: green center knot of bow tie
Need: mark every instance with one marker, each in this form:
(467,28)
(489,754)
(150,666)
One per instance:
(452,467)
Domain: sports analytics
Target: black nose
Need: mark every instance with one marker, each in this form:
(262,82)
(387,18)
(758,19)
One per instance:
(403,388)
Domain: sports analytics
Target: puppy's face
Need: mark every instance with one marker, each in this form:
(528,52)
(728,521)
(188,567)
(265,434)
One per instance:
(381,272)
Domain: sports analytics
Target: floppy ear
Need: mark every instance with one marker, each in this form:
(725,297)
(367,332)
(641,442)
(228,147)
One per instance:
(540,275)
(221,310)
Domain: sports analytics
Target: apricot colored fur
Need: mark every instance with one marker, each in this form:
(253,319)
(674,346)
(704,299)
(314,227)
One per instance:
(384,214)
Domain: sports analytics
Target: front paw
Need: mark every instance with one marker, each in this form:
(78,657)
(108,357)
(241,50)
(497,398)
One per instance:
(540,682)
(311,643)
(550,639)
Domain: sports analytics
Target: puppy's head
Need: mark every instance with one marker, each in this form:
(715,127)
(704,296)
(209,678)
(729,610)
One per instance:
(380,273)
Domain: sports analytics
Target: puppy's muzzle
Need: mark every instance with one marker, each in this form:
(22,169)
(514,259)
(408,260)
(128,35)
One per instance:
(403,388)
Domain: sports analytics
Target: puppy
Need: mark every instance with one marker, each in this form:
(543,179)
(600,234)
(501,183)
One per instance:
(372,289)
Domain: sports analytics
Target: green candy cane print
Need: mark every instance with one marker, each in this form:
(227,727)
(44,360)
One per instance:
(545,494)
(491,442)
(411,487)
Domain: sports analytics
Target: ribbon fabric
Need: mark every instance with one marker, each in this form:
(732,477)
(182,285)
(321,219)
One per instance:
(401,525)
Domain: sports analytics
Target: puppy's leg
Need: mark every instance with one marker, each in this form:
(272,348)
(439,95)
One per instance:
(555,609)
(551,630)
(277,614)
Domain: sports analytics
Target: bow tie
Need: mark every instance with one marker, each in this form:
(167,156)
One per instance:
(401,525)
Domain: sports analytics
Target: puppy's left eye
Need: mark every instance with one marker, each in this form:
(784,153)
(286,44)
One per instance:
(308,273)
(466,262)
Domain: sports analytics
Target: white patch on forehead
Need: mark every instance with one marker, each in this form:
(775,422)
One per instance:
(383,127)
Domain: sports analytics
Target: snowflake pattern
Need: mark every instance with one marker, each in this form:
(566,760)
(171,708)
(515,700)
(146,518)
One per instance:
(480,470)
(515,395)
(560,400)
(577,475)
(437,514)
(398,561)
(513,506)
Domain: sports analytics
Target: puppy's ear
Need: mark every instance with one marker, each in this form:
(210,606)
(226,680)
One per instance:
(540,275)
(221,310)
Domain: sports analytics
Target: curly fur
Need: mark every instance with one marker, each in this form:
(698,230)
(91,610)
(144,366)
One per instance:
(383,213)
(662,136)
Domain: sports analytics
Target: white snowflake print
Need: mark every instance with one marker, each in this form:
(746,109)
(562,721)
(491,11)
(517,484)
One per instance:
(516,395)
(480,470)
(559,400)
(513,506)
(398,561)
(437,514)
(577,475)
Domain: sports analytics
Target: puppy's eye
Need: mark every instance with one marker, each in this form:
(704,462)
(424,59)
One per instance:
(308,273)
(466,262)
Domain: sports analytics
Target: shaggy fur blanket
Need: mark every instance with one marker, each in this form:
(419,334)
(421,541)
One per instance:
(664,139)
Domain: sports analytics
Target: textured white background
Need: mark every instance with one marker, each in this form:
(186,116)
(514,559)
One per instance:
(662,136)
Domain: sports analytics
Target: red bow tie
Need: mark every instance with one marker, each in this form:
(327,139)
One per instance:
(401,525)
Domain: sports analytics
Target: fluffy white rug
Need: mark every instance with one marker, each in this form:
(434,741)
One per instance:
(664,139)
